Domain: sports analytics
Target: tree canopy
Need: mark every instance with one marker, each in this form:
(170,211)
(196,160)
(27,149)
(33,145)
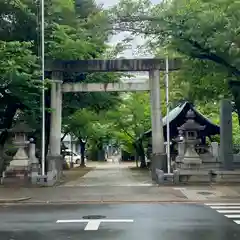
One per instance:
(71,32)
(204,33)
(130,119)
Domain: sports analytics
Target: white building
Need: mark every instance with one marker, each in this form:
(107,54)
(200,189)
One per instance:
(71,143)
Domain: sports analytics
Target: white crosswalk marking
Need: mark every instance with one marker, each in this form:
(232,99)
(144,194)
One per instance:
(232,210)
(228,211)
(225,207)
(222,204)
(233,216)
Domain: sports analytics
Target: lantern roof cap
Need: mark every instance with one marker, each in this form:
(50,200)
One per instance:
(21,127)
(191,124)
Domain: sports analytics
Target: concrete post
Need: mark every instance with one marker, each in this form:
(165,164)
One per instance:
(215,150)
(226,148)
(159,157)
(53,124)
(34,162)
(54,156)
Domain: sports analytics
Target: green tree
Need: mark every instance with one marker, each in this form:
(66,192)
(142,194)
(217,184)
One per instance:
(89,127)
(204,33)
(131,119)
(70,33)
(212,111)
(19,86)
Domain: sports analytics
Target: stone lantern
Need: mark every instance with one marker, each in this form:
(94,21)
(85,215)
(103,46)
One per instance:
(19,166)
(190,130)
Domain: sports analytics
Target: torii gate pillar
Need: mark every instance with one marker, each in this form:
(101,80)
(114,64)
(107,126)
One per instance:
(159,157)
(54,158)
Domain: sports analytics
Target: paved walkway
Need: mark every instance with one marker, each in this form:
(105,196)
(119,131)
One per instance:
(112,174)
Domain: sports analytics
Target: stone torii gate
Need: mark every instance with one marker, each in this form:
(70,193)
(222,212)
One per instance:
(57,67)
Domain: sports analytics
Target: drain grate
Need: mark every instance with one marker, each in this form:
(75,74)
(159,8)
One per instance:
(94,217)
(232,197)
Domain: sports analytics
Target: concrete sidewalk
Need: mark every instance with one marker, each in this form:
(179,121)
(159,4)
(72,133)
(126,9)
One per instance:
(119,194)
(117,183)
(93,194)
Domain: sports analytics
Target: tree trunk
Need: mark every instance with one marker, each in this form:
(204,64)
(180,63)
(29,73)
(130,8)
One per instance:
(136,153)
(100,151)
(136,158)
(82,150)
(235,89)
(140,152)
(142,156)
(2,165)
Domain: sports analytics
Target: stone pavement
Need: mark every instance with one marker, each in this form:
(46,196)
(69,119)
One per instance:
(112,174)
(114,182)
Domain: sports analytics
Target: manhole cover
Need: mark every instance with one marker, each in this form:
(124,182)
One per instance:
(205,193)
(94,217)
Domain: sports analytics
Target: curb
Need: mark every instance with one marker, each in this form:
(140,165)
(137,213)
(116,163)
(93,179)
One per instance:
(21,203)
(14,200)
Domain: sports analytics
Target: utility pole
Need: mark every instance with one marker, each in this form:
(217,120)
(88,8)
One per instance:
(43,85)
(168,127)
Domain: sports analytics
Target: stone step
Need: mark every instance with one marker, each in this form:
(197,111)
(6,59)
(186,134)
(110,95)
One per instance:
(15,181)
(14,173)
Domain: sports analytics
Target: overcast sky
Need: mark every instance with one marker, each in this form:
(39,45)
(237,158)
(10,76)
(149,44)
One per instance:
(131,53)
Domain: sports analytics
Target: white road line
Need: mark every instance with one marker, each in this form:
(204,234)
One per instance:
(237,221)
(72,221)
(232,216)
(228,211)
(93,225)
(110,185)
(225,207)
(222,204)
(118,220)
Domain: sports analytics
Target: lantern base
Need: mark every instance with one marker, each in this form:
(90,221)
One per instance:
(191,158)
(18,170)
(17,176)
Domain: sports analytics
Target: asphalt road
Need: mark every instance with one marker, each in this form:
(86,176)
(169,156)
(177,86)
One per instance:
(122,222)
